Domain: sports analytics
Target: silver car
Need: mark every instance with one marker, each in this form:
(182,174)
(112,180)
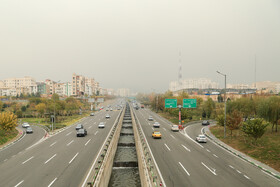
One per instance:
(101,125)
(156,124)
(29,130)
(201,138)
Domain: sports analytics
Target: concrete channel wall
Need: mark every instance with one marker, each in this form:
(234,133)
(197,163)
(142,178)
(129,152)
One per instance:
(108,155)
(142,166)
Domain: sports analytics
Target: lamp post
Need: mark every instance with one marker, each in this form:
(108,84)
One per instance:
(225,101)
(180,120)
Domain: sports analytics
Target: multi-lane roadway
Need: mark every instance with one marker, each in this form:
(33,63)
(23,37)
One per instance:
(184,162)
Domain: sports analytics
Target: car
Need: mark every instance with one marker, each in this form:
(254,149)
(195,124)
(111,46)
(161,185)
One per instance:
(29,130)
(201,138)
(25,125)
(101,125)
(81,132)
(175,128)
(142,106)
(151,118)
(205,122)
(156,134)
(111,109)
(156,125)
(92,114)
(107,109)
(107,116)
(79,126)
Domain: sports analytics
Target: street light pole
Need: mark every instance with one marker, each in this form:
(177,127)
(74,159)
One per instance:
(180,119)
(225,102)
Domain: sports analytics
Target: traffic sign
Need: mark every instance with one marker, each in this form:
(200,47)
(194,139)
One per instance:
(189,103)
(170,103)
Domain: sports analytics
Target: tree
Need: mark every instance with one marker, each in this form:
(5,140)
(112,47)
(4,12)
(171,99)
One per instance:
(208,107)
(234,121)
(41,108)
(8,121)
(254,128)
(23,108)
(1,106)
(220,119)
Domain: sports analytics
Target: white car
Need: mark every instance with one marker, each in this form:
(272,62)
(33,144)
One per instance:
(175,128)
(111,109)
(107,116)
(151,118)
(156,124)
(201,138)
(101,125)
(25,125)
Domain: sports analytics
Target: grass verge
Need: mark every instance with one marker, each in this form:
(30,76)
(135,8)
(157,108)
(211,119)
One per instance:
(265,150)
(6,136)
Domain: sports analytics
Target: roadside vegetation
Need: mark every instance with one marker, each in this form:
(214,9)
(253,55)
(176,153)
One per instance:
(8,123)
(251,125)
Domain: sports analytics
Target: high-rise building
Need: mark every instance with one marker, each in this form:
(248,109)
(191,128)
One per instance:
(78,85)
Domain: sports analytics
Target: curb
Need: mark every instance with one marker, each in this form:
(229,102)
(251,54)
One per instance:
(15,141)
(240,156)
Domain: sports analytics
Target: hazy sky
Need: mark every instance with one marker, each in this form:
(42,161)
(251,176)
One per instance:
(136,43)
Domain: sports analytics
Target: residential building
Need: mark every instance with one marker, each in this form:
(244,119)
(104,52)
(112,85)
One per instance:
(43,88)
(51,85)
(89,86)
(78,85)
(17,86)
(123,92)
(200,83)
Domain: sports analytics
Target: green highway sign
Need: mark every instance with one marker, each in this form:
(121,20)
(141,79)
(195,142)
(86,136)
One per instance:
(170,103)
(189,103)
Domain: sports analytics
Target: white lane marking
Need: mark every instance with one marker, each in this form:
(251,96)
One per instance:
(238,171)
(209,168)
(231,166)
(52,144)
(68,133)
(87,142)
(73,158)
(5,160)
(52,182)
(186,148)
(27,160)
(190,137)
(19,183)
(164,128)
(153,128)
(172,136)
(208,150)
(184,169)
(167,147)
(215,156)
(246,177)
(96,133)
(70,142)
(89,127)
(50,158)
(13,156)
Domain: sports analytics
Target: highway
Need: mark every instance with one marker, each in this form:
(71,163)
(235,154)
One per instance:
(61,160)
(184,162)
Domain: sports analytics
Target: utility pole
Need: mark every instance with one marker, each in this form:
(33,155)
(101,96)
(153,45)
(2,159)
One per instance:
(225,102)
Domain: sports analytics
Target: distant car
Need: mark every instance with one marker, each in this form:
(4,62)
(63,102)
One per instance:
(29,130)
(142,106)
(111,109)
(175,128)
(151,118)
(118,108)
(156,125)
(92,114)
(107,116)
(107,109)
(79,126)
(25,125)
(156,134)
(201,138)
(81,132)
(101,125)
(205,122)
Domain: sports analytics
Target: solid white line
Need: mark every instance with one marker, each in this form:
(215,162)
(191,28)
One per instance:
(231,166)
(96,133)
(208,150)
(19,183)
(153,128)
(68,133)
(190,137)
(89,127)
(172,136)
(50,158)
(70,142)
(184,169)
(186,148)
(27,160)
(5,160)
(87,142)
(238,171)
(208,168)
(164,129)
(167,147)
(215,156)
(52,144)
(73,158)
(246,177)
(52,182)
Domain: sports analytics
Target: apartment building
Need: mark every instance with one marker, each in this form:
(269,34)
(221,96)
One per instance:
(17,86)
(201,83)
(43,88)
(51,84)
(89,86)
(78,85)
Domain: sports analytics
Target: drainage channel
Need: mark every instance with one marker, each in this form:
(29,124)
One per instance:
(125,170)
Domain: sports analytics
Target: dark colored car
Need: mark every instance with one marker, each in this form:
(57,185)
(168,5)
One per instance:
(205,122)
(81,132)
(79,126)
(29,130)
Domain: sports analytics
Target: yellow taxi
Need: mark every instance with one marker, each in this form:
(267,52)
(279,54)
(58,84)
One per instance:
(156,134)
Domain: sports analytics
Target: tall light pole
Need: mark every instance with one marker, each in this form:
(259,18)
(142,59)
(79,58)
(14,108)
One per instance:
(225,102)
